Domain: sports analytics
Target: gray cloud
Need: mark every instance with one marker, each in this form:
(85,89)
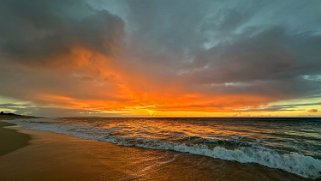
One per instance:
(37,30)
(285,107)
(265,63)
(48,111)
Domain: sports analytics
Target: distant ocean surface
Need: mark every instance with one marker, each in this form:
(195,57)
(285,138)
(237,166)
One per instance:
(290,144)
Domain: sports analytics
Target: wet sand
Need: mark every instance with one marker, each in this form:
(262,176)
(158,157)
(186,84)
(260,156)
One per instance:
(51,156)
(10,139)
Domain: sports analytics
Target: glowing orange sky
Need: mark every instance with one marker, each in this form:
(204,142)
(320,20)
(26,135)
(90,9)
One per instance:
(130,93)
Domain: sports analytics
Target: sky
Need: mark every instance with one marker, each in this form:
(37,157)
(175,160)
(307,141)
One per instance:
(160,57)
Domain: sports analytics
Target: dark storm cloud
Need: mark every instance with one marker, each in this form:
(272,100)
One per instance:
(37,30)
(258,47)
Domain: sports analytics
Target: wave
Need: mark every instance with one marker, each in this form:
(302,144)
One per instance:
(305,166)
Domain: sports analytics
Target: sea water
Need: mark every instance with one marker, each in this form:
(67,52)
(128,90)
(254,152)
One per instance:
(290,144)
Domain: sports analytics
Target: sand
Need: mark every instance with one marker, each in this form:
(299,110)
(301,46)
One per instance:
(51,156)
(11,140)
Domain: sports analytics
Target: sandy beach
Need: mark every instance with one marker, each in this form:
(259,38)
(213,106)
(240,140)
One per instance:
(50,156)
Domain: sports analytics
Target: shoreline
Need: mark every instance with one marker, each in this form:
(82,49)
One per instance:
(52,156)
(11,139)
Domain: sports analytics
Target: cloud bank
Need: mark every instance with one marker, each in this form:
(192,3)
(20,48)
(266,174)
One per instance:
(151,56)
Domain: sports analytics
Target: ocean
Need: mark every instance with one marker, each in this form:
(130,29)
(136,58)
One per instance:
(292,145)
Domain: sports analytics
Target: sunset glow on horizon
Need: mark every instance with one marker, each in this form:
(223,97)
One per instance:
(160,58)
